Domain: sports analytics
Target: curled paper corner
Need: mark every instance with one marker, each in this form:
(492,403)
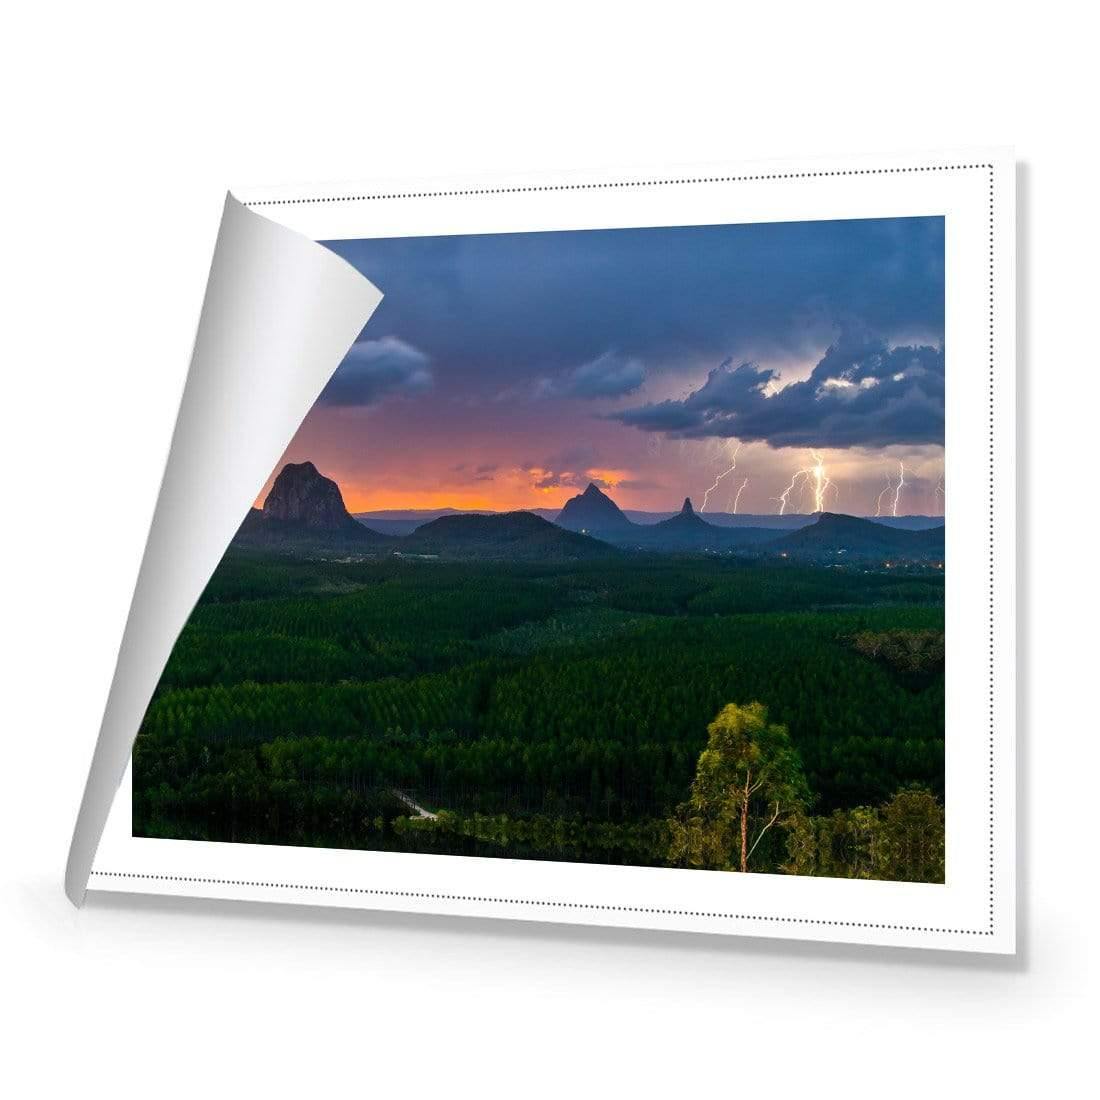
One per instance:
(279,314)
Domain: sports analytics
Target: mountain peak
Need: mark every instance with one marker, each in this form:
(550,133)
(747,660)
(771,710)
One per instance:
(301,469)
(687,519)
(302,495)
(592,510)
(837,519)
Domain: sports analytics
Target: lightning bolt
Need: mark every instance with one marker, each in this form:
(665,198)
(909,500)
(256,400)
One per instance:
(878,499)
(737,499)
(815,478)
(900,486)
(781,500)
(720,477)
(941,492)
(821,482)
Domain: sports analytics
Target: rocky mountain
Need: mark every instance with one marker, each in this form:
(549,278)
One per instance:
(512,536)
(302,495)
(592,511)
(304,513)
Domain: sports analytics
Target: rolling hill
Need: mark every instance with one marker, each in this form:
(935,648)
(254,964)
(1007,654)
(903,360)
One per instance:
(512,536)
(833,535)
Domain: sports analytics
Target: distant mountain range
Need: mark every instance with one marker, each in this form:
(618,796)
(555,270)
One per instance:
(305,514)
(824,535)
(403,521)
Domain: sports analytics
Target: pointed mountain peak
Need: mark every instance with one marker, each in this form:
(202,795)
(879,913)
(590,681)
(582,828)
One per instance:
(592,510)
(686,523)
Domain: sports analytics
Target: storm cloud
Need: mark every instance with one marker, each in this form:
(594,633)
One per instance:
(508,370)
(863,393)
(374,369)
(608,375)
(520,312)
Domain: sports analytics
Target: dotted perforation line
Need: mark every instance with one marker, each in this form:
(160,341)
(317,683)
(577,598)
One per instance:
(540,903)
(686,912)
(616,184)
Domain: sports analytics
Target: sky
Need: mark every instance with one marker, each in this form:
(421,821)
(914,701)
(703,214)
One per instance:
(510,370)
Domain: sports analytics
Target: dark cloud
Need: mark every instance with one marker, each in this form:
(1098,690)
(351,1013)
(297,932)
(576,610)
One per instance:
(863,393)
(608,375)
(374,369)
(500,313)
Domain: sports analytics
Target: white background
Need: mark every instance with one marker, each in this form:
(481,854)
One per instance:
(114,113)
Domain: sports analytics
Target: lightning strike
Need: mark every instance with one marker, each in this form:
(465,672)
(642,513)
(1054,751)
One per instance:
(887,489)
(737,499)
(815,478)
(900,486)
(941,493)
(720,477)
(783,497)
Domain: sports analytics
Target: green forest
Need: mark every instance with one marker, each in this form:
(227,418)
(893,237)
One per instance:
(655,711)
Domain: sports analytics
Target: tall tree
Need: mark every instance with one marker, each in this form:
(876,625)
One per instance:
(748,780)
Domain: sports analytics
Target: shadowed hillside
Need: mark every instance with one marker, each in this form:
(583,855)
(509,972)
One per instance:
(592,512)
(836,534)
(516,536)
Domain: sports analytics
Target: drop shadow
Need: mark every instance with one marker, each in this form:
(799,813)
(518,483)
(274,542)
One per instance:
(550,934)
(1023,560)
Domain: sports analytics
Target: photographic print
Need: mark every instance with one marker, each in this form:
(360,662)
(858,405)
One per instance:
(602,546)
